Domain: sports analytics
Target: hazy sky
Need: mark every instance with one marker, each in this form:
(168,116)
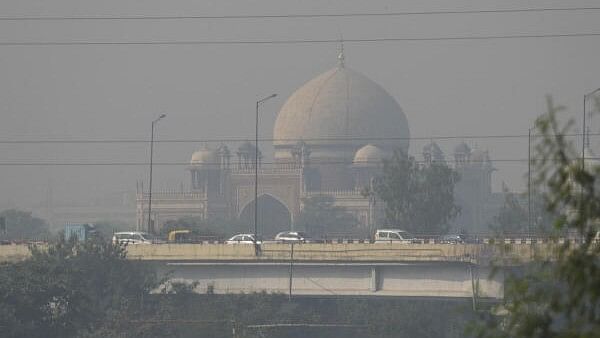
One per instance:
(446,88)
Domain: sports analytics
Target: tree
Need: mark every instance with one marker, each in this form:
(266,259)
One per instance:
(417,198)
(559,297)
(105,229)
(319,215)
(71,288)
(513,216)
(22,225)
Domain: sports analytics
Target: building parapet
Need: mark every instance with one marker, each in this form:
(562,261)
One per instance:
(349,192)
(269,171)
(174,194)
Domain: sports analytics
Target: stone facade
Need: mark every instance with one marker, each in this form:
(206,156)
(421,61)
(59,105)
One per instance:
(330,138)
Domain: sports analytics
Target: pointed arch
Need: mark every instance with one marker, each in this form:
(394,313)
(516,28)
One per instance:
(273,215)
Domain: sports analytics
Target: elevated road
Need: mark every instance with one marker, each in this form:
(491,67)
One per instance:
(334,269)
(340,253)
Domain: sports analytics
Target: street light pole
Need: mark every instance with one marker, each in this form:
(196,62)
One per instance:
(529,184)
(150,225)
(584,124)
(258,103)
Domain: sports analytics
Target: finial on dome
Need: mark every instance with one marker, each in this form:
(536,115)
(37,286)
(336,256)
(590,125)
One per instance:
(341,57)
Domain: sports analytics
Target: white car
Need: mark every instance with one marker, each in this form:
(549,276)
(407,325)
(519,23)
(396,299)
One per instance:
(291,237)
(133,237)
(394,236)
(242,239)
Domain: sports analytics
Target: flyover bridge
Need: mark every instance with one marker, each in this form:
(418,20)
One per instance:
(335,269)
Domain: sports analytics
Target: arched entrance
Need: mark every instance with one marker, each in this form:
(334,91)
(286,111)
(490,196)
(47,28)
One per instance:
(273,216)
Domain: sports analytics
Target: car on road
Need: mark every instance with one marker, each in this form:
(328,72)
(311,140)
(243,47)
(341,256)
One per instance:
(453,239)
(291,237)
(134,237)
(242,239)
(395,236)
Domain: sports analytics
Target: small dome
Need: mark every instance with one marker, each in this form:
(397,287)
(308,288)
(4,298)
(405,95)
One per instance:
(203,156)
(369,155)
(433,150)
(479,156)
(462,148)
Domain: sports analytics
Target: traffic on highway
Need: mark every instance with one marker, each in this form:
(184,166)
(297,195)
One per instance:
(394,236)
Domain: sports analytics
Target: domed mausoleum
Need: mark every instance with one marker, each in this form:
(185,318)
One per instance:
(330,138)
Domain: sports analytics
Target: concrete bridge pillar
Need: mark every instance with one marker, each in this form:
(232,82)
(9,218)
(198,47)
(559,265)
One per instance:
(374,284)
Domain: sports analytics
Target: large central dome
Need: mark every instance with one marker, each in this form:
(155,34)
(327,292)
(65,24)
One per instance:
(338,112)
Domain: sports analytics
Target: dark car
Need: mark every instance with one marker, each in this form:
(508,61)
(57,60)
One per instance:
(453,239)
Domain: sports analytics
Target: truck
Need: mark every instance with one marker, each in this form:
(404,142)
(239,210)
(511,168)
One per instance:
(80,231)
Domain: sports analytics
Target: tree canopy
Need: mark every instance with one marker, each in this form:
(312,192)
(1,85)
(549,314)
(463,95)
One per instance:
(513,216)
(22,225)
(319,216)
(559,297)
(418,198)
(71,288)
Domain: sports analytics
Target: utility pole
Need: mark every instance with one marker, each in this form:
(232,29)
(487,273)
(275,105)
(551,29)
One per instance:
(291,271)
(150,225)
(583,134)
(529,184)
(258,103)
(583,141)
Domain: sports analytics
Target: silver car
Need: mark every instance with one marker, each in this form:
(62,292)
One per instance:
(291,237)
(242,239)
(394,236)
(133,237)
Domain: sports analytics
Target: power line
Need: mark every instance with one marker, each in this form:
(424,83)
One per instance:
(295,16)
(290,41)
(245,139)
(315,163)
(317,325)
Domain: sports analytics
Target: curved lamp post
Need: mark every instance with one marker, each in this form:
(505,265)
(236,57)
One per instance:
(585,96)
(258,103)
(150,225)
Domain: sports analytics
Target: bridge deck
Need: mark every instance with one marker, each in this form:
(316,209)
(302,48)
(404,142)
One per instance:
(348,253)
(337,252)
(412,270)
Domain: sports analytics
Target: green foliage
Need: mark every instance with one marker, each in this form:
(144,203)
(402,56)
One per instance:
(319,215)
(417,198)
(22,225)
(558,298)
(184,314)
(69,289)
(105,229)
(513,216)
